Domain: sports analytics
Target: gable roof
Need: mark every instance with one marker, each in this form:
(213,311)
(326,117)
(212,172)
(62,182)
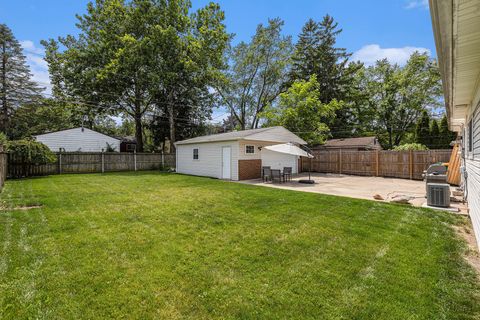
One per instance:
(73,130)
(273,134)
(351,142)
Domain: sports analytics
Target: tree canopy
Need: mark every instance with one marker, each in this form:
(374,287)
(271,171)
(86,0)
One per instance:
(16,85)
(256,74)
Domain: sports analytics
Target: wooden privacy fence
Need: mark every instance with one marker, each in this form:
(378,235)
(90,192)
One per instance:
(89,162)
(3,167)
(395,164)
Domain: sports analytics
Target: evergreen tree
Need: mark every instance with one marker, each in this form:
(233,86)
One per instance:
(435,138)
(316,54)
(446,135)
(16,86)
(422,131)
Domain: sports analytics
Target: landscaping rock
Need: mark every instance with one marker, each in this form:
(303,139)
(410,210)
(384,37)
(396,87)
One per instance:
(401,199)
(378,197)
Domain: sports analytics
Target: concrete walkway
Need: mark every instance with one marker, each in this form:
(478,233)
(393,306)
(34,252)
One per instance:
(354,186)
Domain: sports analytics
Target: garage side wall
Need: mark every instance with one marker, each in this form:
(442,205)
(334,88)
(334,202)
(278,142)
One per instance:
(209,163)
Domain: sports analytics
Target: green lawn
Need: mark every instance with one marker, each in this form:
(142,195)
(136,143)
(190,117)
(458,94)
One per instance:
(166,246)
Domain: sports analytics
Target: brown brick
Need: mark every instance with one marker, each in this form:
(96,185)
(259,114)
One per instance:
(249,169)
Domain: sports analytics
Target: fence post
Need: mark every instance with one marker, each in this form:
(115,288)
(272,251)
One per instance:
(340,161)
(103,161)
(59,160)
(163,160)
(377,165)
(411,164)
(135,159)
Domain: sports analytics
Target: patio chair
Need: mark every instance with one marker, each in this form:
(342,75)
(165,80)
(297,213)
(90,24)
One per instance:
(276,175)
(266,174)
(287,173)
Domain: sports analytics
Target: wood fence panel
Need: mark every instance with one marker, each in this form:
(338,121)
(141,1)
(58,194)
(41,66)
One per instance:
(385,163)
(90,162)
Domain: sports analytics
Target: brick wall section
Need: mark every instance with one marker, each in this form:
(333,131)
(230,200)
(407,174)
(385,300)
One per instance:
(249,169)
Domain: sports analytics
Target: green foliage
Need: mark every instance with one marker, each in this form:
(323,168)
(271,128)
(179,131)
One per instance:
(301,111)
(447,136)
(31,152)
(257,72)
(422,130)
(435,138)
(398,96)
(411,146)
(16,86)
(137,57)
(44,116)
(3,140)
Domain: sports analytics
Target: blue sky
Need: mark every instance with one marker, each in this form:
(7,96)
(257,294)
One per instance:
(372,29)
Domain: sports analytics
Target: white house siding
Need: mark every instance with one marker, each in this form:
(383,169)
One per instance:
(209,163)
(277,160)
(76,139)
(472,167)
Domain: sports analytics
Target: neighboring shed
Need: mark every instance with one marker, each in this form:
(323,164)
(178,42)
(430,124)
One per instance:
(128,144)
(351,144)
(235,155)
(78,139)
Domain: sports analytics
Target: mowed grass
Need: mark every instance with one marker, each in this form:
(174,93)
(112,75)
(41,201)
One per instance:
(166,246)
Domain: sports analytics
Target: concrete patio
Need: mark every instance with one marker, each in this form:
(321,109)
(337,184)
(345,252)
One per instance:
(355,187)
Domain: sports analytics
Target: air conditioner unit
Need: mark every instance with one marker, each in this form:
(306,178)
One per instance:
(438,195)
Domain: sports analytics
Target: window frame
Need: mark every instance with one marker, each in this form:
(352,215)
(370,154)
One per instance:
(470,136)
(196,152)
(246,148)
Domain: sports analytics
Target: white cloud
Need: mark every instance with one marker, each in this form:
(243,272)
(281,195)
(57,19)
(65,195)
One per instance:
(38,65)
(29,46)
(413,4)
(371,53)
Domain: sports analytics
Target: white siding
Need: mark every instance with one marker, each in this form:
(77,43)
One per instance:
(76,139)
(209,163)
(277,160)
(472,166)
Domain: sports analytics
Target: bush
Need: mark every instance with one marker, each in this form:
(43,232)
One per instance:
(30,152)
(411,146)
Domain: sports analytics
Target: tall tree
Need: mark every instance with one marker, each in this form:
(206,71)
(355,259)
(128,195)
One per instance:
(132,57)
(435,138)
(422,130)
(399,95)
(316,53)
(447,135)
(16,86)
(256,74)
(301,111)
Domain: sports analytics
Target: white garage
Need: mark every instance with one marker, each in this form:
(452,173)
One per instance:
(239,155)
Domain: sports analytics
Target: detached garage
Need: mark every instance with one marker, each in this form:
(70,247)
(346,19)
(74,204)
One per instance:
(239,155)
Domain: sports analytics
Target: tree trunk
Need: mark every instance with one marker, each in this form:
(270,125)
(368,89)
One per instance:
(138,129)
(171,122)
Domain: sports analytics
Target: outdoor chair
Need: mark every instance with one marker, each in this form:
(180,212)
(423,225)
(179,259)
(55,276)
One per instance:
(276,175)
(287,173)
(266,174)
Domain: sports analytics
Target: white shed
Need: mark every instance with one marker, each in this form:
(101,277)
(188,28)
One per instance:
(237,155)
(78,139)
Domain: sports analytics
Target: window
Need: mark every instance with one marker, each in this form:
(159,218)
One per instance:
(195,154)
(249,149)
(470,135)
(130,147)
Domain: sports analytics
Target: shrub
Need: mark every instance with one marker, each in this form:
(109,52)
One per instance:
(411,146)
(30,152)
